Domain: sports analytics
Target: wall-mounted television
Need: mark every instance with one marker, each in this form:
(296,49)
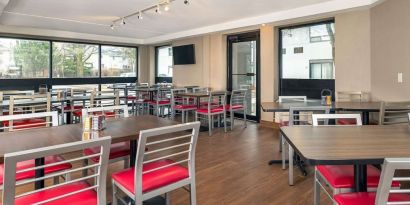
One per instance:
(184,55)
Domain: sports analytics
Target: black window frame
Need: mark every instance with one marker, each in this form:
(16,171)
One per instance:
(161,79)
(33,83)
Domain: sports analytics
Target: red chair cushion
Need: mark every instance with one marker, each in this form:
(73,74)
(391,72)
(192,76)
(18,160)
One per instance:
(25,124)
(365,198)
(78,113)
(75,107)
(117,150)
(162,102)
(152,180)
(234,107)
(184,107)
(342,176)
(214,110)
(88,197)
(346,122)
(130,97)
(31,163)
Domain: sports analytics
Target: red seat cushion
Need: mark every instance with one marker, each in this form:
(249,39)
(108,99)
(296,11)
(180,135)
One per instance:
(25,124)
(364,198)
(342,176)
(162,102)
(117,150)
(75,107)
(234,107)
(346,122)
(214,110)
(88,197)
(78,113)
(152,180)
(130,97)
(184,107)
(31,163)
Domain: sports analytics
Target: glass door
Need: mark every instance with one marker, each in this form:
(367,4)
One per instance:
(243,69)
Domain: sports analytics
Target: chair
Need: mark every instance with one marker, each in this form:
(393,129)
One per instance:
(237,104)
(136,101)
(78,191)
(161,169)
(200,90)
(299,116)
(181,104)
(10,125)
(350,96)
(394,113)
(282,122)
(118,151)
(100,99)
(161,101)
(23,104)
(340,178)
(385,193)
(216,106)
(80,98)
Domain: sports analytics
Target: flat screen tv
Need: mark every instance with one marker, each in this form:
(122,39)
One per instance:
(184,55)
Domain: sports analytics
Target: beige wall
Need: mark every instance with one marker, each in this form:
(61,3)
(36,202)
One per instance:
(390,54)
(267,68)
(352,61)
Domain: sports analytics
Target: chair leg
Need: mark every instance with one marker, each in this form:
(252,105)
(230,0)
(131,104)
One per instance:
(192,193)
(231,115)
(114,193)
(126,162)
(283,147)
(168,198)
(210,124)
(291,166)
(244,117)
(316,196)
(85,171)
(56,179)
(183,116)
(224,121)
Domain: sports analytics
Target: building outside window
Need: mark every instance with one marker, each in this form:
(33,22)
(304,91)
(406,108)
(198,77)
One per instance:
(118,61)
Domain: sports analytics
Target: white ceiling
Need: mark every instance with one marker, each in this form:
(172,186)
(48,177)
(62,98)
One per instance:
(95,16)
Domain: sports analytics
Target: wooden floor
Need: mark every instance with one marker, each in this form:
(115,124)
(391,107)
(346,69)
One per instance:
(232,168)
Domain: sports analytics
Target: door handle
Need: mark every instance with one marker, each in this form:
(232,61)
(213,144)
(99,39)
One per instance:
(250,74)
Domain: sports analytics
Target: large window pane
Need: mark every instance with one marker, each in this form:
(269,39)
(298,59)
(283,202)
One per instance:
(304,45)
(118,61)
(164,61)
(74,60)
(24,58)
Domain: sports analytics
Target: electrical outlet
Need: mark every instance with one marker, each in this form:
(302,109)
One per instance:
(400,77)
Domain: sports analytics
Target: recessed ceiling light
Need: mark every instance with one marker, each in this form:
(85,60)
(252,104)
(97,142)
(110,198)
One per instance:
(167,8)
(263,24)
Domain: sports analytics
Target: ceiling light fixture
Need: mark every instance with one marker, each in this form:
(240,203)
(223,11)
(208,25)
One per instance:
(166,4)
(158,9)
(140,15)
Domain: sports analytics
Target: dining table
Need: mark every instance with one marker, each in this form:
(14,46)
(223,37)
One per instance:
(120,130)
(358,146)
(365,108)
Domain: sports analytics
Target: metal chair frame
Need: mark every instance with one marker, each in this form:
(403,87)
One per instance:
(185,101)
(221,103)
(238,97)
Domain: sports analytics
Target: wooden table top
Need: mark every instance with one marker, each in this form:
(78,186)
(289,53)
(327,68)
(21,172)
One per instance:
(202,94)
(120,130)
(347,106)
(349,144)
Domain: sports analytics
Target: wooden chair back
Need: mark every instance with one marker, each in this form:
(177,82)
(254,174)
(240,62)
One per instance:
(50,119)
(323,119)
(394,113)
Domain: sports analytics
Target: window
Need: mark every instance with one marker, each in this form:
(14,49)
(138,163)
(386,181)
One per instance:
(320,33)
(75,60)
(118,61)
(17,59)
(164,61)
(321,69)
(309,68)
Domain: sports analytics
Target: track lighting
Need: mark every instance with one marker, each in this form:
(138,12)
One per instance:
(123,21)
(186,2)
(158,9)
(112,26)
(166,8)
(139,15)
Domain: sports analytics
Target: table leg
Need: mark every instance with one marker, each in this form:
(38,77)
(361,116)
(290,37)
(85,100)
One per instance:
(360,177)
(366,118)
(39,173)
(133,152)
